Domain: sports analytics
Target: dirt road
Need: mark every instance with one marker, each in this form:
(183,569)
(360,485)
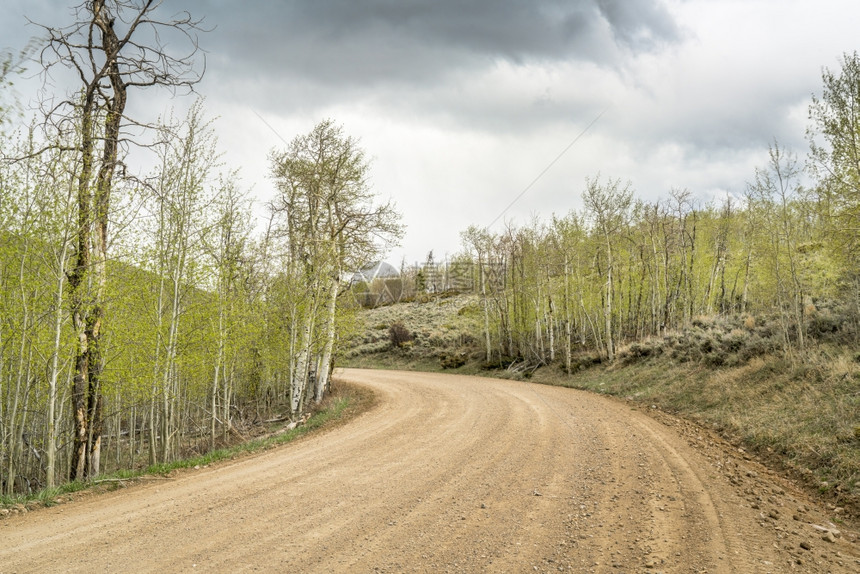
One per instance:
(454,474)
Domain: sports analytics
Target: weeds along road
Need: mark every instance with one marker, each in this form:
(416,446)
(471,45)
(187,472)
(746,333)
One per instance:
(456,474)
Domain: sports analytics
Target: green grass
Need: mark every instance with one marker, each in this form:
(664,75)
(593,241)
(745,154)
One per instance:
(45,497)
(334,412)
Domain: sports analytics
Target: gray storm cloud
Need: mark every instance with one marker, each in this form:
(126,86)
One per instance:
(364,43)
(479,95)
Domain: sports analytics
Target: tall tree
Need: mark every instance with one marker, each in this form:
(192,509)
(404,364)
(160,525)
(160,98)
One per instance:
(480,242)
(772,202)
(333,225)
(113,46)
(834,138)
(608,206)
(227,245)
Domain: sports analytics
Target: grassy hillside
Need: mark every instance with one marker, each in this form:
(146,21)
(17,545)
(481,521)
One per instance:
(440,332)
(799,414)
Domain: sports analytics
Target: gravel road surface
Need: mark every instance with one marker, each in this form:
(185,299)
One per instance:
(455,474)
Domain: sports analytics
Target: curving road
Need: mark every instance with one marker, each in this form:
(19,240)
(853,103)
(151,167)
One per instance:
(454,474)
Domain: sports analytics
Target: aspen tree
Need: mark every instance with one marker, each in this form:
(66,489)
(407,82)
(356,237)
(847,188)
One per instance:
(834,137)
(114,45)
(608,205)
(333,226)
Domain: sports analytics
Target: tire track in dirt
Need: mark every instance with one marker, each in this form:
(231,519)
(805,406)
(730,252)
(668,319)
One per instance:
(448,473)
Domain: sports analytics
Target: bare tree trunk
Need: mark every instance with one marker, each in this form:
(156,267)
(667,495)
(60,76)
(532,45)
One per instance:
(324,371)
(51,439)
(79,285)
(153,427)
(214,401)
(610,342)
(16,412)
(487,339)
(132,435)
(168,381)
(300,376)
(568,320)
(745,290)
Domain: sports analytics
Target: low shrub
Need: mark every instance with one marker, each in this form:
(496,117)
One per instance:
(583,362)
(453,360)
(639,351)
(756,346)
(735,340)
(823,324)
(716,358)
(398,334)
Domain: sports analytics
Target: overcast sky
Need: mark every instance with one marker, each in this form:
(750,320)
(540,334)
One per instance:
(462,104)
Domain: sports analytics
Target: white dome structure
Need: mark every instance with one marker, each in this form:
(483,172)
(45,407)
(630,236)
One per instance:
(376,270)
(377,284)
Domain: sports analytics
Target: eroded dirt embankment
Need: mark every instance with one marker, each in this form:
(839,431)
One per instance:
(458,474)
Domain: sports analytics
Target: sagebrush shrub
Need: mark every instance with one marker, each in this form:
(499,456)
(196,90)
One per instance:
(398,334)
